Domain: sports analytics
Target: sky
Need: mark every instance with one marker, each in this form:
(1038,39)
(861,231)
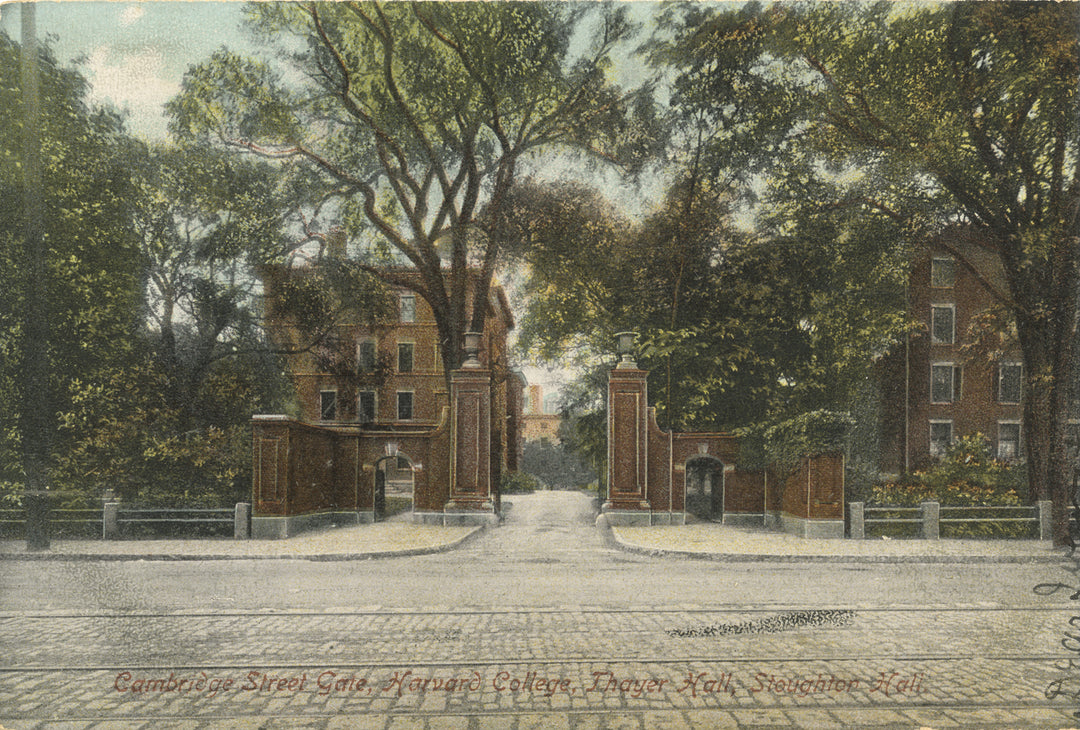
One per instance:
(134,54)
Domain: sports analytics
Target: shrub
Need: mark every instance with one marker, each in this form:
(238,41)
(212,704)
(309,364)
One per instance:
(968,476)
(519,482)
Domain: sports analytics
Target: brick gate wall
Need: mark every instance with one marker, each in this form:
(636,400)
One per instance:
(647,472)
(307,475)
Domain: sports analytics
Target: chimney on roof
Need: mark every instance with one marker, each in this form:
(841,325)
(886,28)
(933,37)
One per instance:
(536,400)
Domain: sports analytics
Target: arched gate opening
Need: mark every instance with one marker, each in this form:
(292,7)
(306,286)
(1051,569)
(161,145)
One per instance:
(705,488)
(394,486)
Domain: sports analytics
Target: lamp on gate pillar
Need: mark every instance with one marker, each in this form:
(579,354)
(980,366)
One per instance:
(626,350)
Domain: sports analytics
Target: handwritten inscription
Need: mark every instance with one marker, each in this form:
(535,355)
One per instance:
(402,682)
(1067,683)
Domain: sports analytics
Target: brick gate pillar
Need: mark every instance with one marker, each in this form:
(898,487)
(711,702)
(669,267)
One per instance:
(627,446)
(470,448)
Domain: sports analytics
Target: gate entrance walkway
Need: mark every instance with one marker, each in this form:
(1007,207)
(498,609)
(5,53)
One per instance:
(549,527)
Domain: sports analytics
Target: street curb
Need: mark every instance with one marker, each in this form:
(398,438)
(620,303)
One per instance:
(613,540)
(316,557)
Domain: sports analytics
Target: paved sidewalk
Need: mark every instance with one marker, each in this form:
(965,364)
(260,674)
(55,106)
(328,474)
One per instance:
(356,542)
(701,540)
(708,540)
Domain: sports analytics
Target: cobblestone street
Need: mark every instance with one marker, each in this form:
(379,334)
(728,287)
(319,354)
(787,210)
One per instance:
(471,639)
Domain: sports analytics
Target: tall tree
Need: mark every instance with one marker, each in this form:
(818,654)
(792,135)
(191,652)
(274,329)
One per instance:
(736,333)
(207,224)
(88,267)
(938,115)
(415,117)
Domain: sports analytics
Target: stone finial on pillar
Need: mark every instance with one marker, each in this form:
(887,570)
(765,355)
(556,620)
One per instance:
(626,350)
(472,350)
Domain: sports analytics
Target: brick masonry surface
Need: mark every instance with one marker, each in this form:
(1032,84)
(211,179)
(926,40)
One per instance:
(574,667)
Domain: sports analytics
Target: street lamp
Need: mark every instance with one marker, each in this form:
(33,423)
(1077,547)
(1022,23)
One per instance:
(625,349)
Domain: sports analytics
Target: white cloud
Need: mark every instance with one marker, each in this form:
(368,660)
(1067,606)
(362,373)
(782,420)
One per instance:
(133,81)
(131,14)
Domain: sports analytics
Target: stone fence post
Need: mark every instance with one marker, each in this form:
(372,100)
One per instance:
(856,510)
(931,520)
(242,521)
(1046,527)
(110,523)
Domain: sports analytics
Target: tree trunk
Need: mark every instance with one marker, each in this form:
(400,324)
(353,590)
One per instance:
(1047,346)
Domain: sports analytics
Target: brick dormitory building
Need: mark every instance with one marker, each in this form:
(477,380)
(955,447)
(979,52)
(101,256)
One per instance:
(942,384)
(389,375)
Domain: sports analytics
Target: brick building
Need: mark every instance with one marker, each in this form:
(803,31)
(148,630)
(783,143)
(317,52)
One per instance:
(947,381)
(390,375)
(540,422)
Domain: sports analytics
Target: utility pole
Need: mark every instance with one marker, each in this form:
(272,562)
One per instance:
(35,411)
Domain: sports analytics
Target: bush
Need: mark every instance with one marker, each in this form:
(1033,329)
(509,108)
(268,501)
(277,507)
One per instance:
(519,482)
(968,476)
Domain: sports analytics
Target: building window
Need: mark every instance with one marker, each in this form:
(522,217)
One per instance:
(365,406)
(403,463)
(1008,440)
(942,273)
(943,324)
(940,437)
(405,406)
(405,357)
(407,307)
(365,356)
(1010,382)
(944,382)
(328,405)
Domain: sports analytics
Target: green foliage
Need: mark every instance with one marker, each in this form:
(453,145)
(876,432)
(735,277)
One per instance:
(967,476)
(782,444)
(156,355)
(91,270)
(518,482)
(127,437)
(930,116)
(555,466)
(410,120)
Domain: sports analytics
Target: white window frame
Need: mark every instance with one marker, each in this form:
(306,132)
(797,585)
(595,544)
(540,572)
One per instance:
(941,422)
(412,357)
(1019,439)
(374,405)
(954,382)
(933,263)
(412,405)
(322,409)
(1001,379)
(402,311)
(952,334)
